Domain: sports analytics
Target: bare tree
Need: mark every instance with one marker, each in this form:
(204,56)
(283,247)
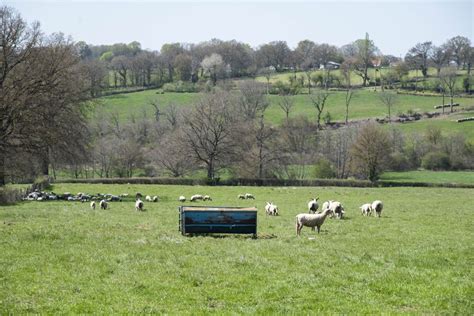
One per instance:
(419,55)
(346,69)
(370,152)
(172,154)
(208,130)
(318,99)
(448,78)
(286,103)
(252,99)
(17,51)
(389,99)
(172,115)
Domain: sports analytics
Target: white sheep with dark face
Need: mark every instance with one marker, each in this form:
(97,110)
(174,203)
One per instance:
(313,205)
(103,204)
(139,205)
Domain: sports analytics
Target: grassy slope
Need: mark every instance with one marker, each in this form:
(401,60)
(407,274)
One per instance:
(365,103)
(464,177)
(60,257)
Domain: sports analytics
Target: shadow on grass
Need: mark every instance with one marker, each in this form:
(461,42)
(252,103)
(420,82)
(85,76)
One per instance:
(234,236)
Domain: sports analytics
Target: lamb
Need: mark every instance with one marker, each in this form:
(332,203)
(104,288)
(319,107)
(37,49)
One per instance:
(196,197)
(182,198)
(93,205)
(313,205)
(249,196)
(148,198)
(377,207)
(311,220)
(271,209)
(241,197)
(139,205)
(366,209)
(155,198)
(103,204)
(206,198)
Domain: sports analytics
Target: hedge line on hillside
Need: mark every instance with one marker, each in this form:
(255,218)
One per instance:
(266,182)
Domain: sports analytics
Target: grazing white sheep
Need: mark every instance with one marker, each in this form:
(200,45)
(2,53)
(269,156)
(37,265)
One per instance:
(206,198)
(249,196)
(336,208)
(311,220)
(196,197)
(182,198)
(148,198)
(271,209)
(155,198)
(93,205)
(377,207)
(103,204)
(139,205)
(366,209)
(313,205)
(241,197)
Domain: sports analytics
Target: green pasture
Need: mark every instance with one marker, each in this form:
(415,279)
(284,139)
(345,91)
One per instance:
(365,104)
(447,124)
(63,257)
(457,177)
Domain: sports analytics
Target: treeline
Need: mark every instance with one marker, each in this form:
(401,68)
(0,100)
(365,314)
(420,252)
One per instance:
(225,133)
(128,65)
(46,125)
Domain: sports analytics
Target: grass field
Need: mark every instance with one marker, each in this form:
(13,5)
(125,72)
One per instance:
(460,177)
(61,257)
(365,104)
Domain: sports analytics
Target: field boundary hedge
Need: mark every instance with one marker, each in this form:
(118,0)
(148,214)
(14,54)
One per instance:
(267,182)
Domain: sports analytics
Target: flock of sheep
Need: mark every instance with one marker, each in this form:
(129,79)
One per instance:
(312,219)
(331,208)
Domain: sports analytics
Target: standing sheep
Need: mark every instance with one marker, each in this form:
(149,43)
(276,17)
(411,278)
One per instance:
(313,205)
(148,198)
(155,198)
(93,205)
(139,205)
(182,198)
(241,197)
(206,198)
(311,220)
(377,207)
(336,208)
(366,209)
(103,204)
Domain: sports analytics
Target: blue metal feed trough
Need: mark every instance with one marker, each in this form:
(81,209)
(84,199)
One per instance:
(211,219)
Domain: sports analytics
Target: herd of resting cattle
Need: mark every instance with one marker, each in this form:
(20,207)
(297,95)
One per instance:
(313,218)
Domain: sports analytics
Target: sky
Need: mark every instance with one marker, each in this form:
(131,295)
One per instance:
(394,26)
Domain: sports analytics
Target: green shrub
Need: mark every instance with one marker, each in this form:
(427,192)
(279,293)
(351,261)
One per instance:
(399,162)
(323,170)
(435,161)
(10,196)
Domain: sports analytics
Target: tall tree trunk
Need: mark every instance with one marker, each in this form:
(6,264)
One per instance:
(2,167)
(45,161)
